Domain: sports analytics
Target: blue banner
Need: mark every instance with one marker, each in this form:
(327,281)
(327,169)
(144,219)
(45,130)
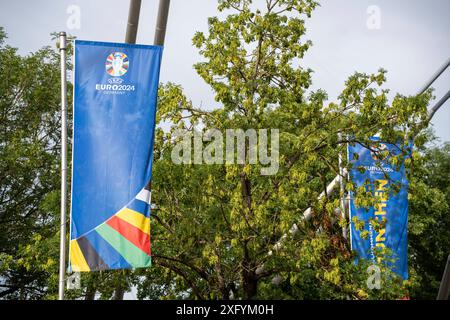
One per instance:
(389,185)
(115,97)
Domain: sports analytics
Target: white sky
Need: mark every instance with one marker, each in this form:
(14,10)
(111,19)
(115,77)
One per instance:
(412,43)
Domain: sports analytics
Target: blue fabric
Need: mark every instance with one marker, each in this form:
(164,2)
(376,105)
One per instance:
(115,98)
(394,207)
(140,206)
(109,255)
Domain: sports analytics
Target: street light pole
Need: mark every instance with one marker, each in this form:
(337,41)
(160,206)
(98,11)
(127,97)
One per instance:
(161,23)
(62,248)
(133,21)
(436,75)
(342,191)
(438,105)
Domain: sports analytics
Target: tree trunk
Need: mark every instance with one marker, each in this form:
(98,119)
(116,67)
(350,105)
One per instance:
(249,279)
(224,290)
(250,285)
(121,285)
(90,293)
(119,292)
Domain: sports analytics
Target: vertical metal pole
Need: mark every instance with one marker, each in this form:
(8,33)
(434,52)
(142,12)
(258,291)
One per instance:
(342,190)
(161,23)
(444,288)
(62,249)
(133,21)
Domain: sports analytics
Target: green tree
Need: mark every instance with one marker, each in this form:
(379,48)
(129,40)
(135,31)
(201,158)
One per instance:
(30,179)
(429,225)
(215,224)
(29,167)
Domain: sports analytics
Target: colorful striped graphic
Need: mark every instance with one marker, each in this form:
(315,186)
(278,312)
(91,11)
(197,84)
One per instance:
(77,258)
(122,240)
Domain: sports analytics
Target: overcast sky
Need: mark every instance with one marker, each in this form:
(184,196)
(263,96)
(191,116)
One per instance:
(411,44)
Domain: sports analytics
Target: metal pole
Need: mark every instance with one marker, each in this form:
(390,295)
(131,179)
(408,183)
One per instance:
(62,249)
(161,23)
(133,21)
(444,288)
(434,77)
(342,191)
(438,105)
(307,214)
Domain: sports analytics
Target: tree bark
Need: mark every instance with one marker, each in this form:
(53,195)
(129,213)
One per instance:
(224,290)
(119,292)
(249,278)
(121,285)
(90,293)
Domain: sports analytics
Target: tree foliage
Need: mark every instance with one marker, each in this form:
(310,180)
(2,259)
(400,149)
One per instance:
(429,225)
(29,167)
(216,224)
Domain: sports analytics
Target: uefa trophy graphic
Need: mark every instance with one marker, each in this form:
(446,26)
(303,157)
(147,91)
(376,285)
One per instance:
(117,64)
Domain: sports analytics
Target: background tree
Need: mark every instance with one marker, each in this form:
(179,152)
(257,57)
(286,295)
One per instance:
(215,224)
(429,225)
(30,179)
(29,167)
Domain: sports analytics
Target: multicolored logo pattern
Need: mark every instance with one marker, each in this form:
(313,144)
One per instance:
(117,64)
(122,241)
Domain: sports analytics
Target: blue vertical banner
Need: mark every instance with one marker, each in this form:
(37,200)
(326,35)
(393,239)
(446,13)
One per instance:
(388,184)
(115,96)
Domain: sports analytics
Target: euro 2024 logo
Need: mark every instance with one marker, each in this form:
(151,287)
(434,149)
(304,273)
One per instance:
(377,152)
(117,64)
